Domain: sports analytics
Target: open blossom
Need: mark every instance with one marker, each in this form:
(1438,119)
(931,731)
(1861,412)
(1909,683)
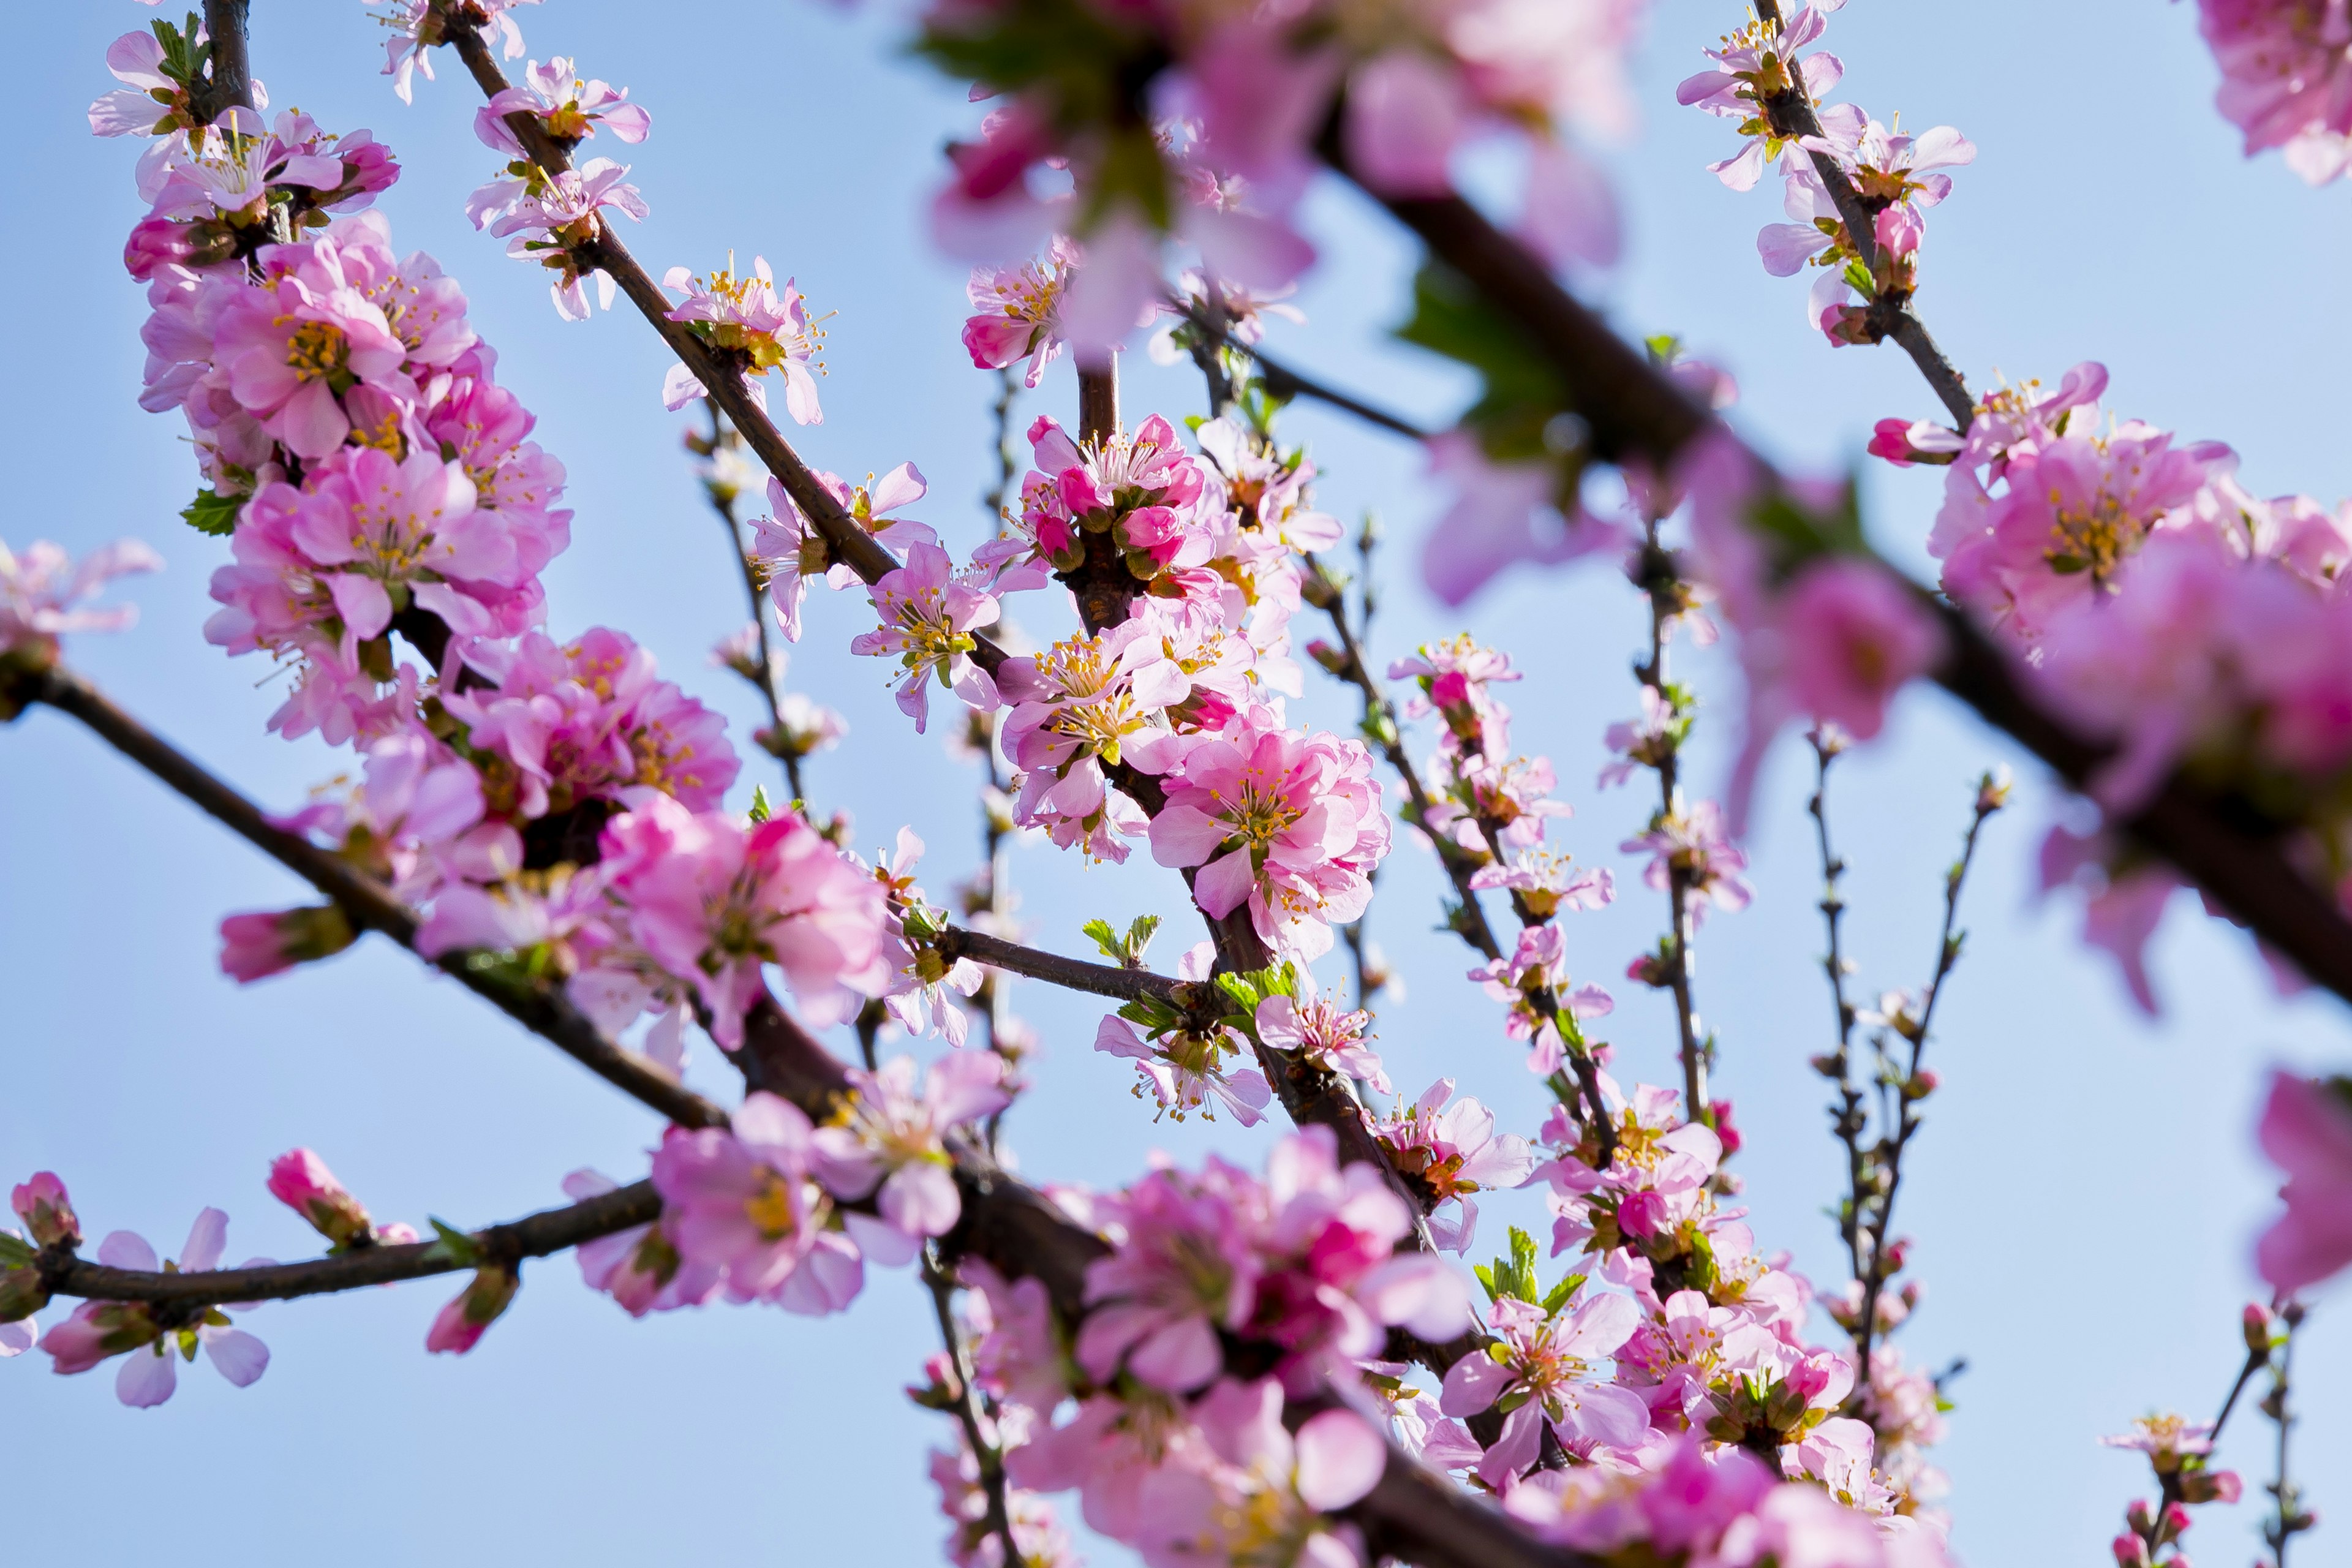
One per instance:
(1017,311)
(2306,1130)
(888,1136)
(1271,1501)
(417,25)
(742,1200)
(295,344)
(1545,883)
(1550,1359)
(639,1267)
(1446,1150)
(788,550)
(1315,1029)
(1760,61)
(751,327)
(715,901)
(1185,1070)
(97,1330)
(1287,822)
(589,718)
(928,612)
(543,221)
(1085,704)
(1501,513)
(568,108)
(1141,489)
(1693,846)
(40,590)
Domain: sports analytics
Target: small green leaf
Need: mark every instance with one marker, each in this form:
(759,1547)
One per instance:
(456,1244)
(760,809)
(1104,937)
(213,513)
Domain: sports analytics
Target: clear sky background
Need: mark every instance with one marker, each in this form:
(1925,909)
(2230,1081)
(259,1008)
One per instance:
(2083,1198)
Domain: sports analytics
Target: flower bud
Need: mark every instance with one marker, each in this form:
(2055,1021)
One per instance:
(2257,1325)
(47,1212)
(21,1295)
(2211,1486)
(301,1181)
(1329,657)
(1719,1112)
(2130,1552)
(96,1330)
(459,1326)
(256,946)
(155,242)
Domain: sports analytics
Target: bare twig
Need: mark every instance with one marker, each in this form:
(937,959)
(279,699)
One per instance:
(539,1007)
(970,1415)
(536,1236)
(1289,384)
(230,83)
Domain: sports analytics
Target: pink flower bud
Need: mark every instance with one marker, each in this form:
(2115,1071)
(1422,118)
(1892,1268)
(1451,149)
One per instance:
(2257,1322)
(43,1205)
(2211,1486)
(301,1181)
(155,242)
(2130,1552)
(459,1326)
(96,1330)
(1724,1129)
(1642,1214)
(256,946)
(1449,690)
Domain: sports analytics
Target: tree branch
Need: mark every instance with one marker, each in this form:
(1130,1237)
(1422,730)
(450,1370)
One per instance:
(1289,384)
(539,1007)
(2224,844)
(1073,973)
(230,76)
(536,1236)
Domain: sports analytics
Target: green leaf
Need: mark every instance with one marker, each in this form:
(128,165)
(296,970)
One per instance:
(213,513)
(1104,937)
(1139,932)
(456,1244)
(760,809)
(15,1252)
(1523,392)
(1557,1297)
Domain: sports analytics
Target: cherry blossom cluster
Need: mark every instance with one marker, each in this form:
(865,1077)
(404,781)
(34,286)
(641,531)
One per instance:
(1755,74)
(2286,78)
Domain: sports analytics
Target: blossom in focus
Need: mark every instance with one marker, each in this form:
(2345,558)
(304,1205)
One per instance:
(97,1330)
(570,110)
(888,1136)
(1287,822)
(928,612)
(750,328)
(787,550)
(1017,311)
(742,1200)
(714,900)
(1760,61)
(1186,1069)
(47,1210)
(546,220)
(2306,1130)
(1693,846)
(1446,1150)
(1315,1029)
(1550,1360)
(40,589)
(417,25)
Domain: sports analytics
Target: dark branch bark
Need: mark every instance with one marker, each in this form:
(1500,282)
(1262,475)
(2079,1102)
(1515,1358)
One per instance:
(230,83)
(550,1230)
(541,1008)
(1288,385)
(1072,974)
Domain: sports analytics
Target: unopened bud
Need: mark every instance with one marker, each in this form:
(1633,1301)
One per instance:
(21,1295)
(256,946)
(460,1325)
(2130,1552)
(301,1181)
(2211,1486)
(47,1210)
(2257,1324)
(1329,657)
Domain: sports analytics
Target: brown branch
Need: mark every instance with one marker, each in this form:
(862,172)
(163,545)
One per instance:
(2223,843)
(1074,973)
(535,1235)
(541,1008)
(1289,384)
(229,78)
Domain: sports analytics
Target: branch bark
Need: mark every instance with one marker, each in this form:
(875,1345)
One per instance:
(541,1008)
(535,1235)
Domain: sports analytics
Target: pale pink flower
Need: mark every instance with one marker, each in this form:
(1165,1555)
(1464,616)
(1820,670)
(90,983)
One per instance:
(742,1200)
(1271,1501)
(40,589)
(557,213)
(1185,1070)
(1551,1361)
(417,25)
(2306,1130)
(751,327)
(715,901)
(292,344)
(1502,513)
(870,506)
(789,551)
(639,1267)
(149,103)
(1693,843)
(888,1136)
(1758,60)
(1546,883)
(570,110)
(98,1330)
(1018,311)
(1315,1029)
(1085,703)
(928,612)
(1446,1150)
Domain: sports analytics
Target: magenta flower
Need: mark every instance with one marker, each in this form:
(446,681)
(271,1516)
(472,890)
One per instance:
(1549,1361)
(887,1136)
(714,902)
(2306,1130)
(742,1201)
(295,344)
(47,1210)
(1186,1269)
(40,588)
(98,1330)
(928,612)
(753,327)
(588,719)
(1018,311)
(571,110)
(1287,822)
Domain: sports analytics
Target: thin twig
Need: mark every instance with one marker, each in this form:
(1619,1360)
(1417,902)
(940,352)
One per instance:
(1289,384)
(1074,973)
(535,1235)
(539,1007)
(1847,1117)
(968,1413)
(722,439)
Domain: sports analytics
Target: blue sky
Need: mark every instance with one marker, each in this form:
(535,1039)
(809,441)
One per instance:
(2082,1199)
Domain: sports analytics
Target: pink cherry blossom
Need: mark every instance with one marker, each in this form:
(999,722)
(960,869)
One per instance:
(1186,1070)
(753,327)
(715,901)
(1550,1359)
(742,1201)
(891,1137)
(1313,1029)
(1691,843)
(1446,1150)
(98,1330)
(2286,78)
(551,214)
(639,1267)
(47,1210)
(928,612)
(301,1180)
(1018,311)
(569,109)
